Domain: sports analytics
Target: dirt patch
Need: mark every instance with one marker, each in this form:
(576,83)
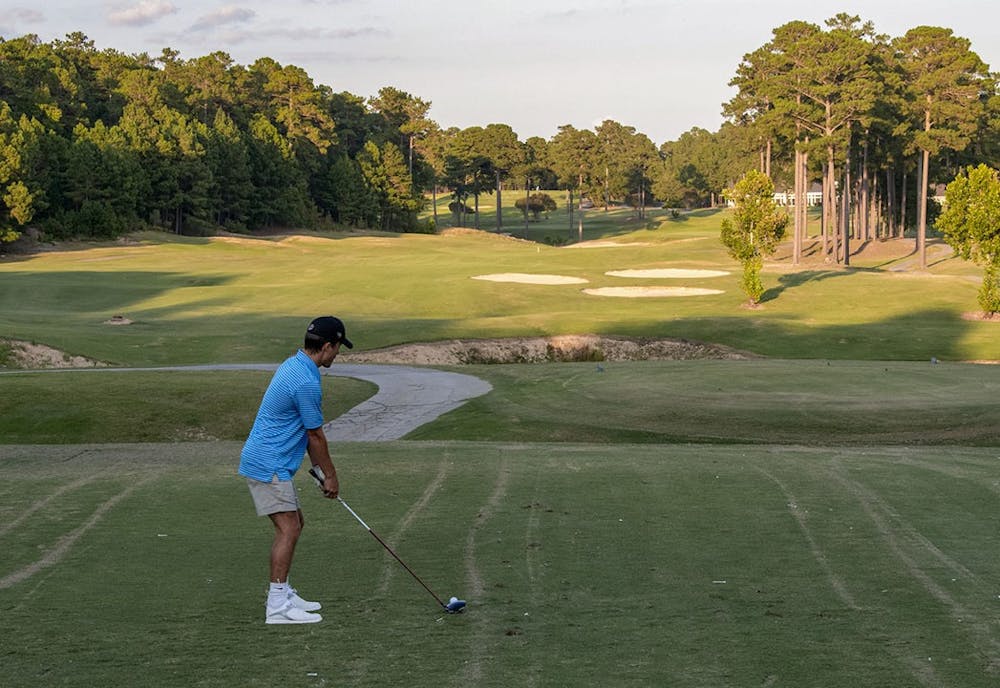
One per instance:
(30,356)
(565,348)
(895,255)
(117,320)
(981,316)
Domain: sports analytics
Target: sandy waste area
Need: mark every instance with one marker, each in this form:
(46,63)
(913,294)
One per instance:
(525,278)
(650,292)
(667,273)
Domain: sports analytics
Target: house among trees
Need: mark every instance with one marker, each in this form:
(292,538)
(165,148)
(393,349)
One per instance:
(814,196)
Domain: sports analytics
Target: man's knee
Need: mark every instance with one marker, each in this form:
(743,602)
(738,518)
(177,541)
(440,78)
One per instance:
(288,524)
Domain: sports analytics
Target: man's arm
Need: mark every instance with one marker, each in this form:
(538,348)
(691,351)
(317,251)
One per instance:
(319,454)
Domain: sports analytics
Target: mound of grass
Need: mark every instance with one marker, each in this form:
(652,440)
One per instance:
(819,403)
(116,406)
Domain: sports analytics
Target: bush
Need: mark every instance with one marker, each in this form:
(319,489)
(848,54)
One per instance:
(93,220)
(989,293)
(537,204)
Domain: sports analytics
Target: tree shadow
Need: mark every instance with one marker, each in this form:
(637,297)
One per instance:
(797,279)
(920,335)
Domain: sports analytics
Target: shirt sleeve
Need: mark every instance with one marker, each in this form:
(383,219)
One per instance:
(309,401)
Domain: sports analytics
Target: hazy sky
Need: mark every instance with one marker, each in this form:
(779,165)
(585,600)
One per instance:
(661,66)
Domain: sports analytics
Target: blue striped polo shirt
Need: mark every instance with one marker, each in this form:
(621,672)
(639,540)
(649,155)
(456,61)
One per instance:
(292,404)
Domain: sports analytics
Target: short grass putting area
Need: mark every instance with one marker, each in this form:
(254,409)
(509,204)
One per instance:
(628,565)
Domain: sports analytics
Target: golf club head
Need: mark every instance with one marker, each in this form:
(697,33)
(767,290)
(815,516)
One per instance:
(454,606)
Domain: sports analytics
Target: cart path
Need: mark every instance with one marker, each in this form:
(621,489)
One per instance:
(407,397)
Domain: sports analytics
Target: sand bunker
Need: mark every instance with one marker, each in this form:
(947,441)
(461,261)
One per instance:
(648,292)
(667,273)
(524,278)
(608,244)
(556,348)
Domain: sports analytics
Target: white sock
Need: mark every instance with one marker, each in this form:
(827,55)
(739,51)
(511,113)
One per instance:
(277,595)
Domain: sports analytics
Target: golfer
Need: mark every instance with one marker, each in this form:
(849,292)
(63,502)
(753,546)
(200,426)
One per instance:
(288,424)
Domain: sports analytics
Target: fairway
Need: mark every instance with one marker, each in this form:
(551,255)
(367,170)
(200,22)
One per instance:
(822,513)
(632,565)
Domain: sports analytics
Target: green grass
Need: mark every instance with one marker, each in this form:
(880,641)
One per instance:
(245,300)
(114,406)
(824,518)
(632,565)
(553,227)
(817,403)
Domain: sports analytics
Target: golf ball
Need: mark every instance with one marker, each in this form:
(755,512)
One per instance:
(453,600)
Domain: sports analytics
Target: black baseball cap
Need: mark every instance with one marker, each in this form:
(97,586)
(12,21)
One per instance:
(331,329)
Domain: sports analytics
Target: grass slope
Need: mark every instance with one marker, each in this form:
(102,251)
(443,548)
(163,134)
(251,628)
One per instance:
(237,299)
(133,406)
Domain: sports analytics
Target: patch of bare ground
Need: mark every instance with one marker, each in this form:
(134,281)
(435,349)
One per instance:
(893,253)
(981,316)
(563,348)
(30,356)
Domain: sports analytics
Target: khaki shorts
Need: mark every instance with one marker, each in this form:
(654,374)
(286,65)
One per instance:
(273,497)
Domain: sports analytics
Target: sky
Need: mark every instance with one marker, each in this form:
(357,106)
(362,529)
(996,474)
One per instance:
(661,66)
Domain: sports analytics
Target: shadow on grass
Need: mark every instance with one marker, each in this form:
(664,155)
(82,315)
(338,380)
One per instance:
(914,336)
(797,279)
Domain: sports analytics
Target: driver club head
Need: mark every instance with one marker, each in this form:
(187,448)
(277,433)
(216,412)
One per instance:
(455,606)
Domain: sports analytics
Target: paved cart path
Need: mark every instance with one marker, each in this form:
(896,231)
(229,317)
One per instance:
(407,397)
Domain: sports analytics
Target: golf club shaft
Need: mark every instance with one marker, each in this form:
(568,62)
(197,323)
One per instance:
(389,550)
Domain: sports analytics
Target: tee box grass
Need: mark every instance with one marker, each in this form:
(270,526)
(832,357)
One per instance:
(627,565)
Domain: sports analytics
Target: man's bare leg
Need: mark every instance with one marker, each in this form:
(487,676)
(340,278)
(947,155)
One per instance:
(287,528)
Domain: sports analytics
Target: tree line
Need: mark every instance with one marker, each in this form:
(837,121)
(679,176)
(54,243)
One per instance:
(96,142)
(878,120)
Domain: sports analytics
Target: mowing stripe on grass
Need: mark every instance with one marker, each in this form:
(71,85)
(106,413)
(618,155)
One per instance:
(66,541)
(835,581)
(889,523)
(479,640)
(411,515)
(42,503)
(532,545)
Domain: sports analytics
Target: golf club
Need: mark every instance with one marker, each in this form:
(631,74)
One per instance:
(454,605)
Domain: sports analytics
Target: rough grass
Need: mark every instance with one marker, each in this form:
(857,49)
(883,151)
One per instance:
(113,406)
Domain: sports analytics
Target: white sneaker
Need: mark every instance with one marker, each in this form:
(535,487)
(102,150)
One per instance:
(290,614)
(299,603)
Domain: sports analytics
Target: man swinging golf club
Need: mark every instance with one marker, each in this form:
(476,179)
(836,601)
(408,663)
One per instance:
(289,423)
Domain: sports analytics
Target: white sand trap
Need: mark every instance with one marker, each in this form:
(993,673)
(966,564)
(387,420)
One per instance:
(667,273)
(607,244)
(648,292)
(524,278)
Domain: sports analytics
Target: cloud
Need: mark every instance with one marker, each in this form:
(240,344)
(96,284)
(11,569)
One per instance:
(26,15)
(299,35)
(144,12)
(230,14)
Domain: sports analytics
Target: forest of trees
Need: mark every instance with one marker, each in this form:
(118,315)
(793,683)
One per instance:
(95,142)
